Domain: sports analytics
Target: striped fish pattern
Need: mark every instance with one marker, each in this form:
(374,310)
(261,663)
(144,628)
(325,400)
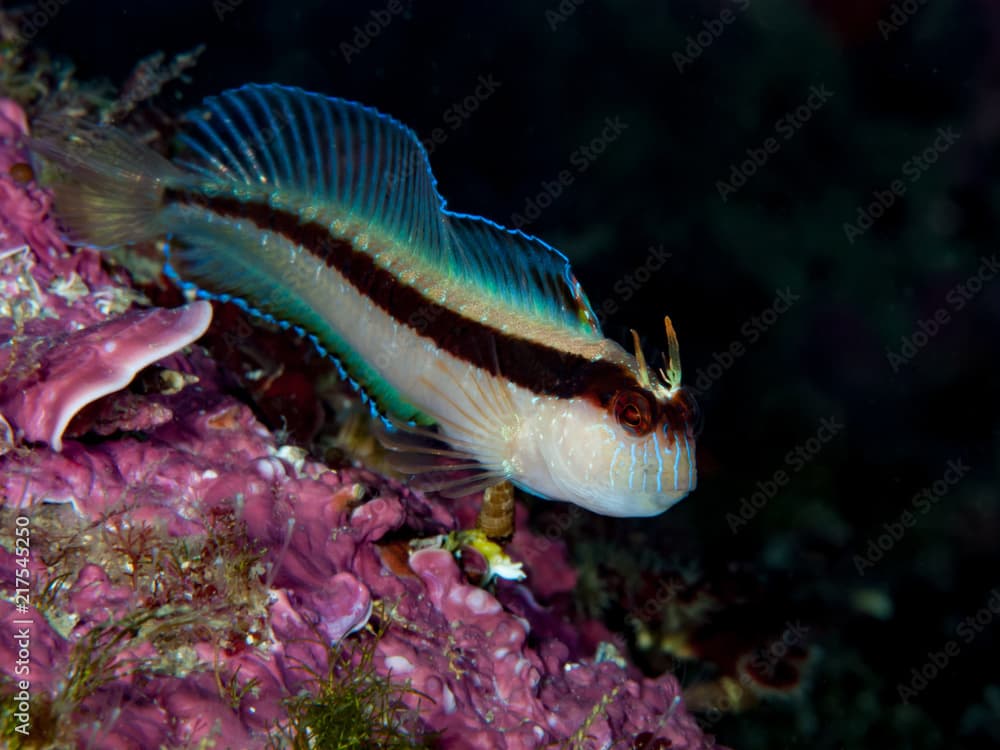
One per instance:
(475,344)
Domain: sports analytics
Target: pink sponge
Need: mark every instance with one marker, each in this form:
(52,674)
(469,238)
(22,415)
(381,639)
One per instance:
(59,375)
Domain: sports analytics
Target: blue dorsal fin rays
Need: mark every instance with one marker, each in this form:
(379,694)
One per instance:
(304,150)
(522,271)
(320,155)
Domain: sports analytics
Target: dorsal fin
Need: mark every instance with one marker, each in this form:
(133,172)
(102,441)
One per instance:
(323,156)
(316,154)
(521,271)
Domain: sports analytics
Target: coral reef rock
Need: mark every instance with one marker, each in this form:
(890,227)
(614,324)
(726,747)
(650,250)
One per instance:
(190,582)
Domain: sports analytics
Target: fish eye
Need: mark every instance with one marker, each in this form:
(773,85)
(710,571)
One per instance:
(633,410)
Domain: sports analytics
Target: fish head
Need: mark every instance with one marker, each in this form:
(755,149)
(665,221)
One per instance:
(628,447)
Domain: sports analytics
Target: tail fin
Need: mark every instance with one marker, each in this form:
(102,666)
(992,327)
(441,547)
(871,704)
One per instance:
(108,186)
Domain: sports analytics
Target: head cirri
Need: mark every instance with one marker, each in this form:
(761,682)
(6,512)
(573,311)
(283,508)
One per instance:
(628,447)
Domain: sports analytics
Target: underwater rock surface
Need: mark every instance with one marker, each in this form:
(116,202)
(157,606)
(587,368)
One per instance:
(193,581)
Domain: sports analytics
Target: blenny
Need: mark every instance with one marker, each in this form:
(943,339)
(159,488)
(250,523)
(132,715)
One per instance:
(474,343)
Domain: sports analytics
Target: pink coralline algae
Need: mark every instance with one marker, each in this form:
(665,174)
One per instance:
(191,582)
(57,375)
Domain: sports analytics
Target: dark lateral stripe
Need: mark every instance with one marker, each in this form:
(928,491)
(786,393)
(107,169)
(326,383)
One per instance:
(542,369)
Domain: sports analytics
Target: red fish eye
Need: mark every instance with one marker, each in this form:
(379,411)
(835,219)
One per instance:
(633,410)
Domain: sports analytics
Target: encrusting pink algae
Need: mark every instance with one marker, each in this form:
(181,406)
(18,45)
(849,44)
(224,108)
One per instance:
(194,584)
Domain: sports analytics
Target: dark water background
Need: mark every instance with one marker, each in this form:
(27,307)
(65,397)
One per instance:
(833,282)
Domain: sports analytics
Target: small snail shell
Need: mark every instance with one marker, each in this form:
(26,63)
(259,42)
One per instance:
(496,517)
